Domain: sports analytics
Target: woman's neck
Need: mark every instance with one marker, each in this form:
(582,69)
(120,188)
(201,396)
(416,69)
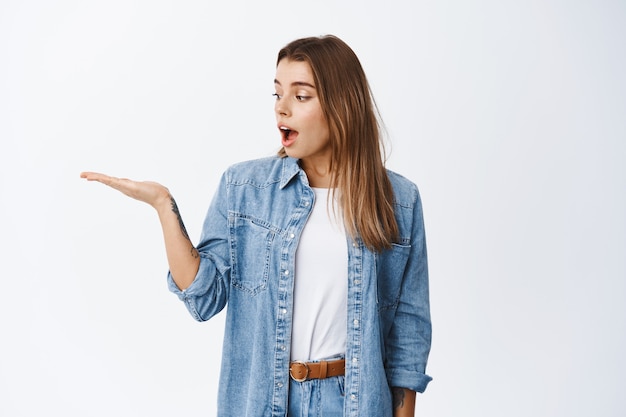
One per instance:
(319,175)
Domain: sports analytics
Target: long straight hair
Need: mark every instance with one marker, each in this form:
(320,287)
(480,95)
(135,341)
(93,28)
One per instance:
(357,169)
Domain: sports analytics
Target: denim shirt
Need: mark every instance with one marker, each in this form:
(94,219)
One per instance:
(247,252)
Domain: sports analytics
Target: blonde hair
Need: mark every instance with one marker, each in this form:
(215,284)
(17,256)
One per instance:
(357,167)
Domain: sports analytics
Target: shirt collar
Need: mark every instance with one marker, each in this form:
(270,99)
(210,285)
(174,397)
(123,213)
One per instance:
(291,168)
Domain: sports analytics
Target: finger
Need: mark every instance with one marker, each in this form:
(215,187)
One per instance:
(93,176)
(121,184)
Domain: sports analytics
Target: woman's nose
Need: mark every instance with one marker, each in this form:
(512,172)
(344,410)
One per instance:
(281,108)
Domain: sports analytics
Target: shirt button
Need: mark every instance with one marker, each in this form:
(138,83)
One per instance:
(286,272)
(354,244)
(357,281)
(284,311)
(280,385)
(291,236)
(283,348)
(306,204)
(353,397)
(354,360)
(356,323)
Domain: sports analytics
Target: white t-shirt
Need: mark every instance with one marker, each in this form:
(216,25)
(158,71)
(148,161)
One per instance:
(321,285)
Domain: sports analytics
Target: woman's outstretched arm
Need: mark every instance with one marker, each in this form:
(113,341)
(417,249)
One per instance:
(182,256)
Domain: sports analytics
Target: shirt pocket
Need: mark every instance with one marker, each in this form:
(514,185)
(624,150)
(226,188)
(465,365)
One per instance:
(251,250)
(390,268)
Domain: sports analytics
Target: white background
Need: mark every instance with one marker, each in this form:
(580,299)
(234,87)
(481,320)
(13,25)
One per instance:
(509,115)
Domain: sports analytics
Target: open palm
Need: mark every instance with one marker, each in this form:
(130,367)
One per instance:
(147,191)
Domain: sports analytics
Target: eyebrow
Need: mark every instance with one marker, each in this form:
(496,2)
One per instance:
(297,84)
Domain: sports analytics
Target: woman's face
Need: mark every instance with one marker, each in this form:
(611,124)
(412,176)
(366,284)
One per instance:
(301,122)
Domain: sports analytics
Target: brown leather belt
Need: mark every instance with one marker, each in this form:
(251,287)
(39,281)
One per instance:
(302,371)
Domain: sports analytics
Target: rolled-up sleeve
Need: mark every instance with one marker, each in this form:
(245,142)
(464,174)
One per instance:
(208,293)
(408,343)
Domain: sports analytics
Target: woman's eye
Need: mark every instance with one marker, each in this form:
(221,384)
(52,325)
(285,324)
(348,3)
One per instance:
(278,97)
(302,98)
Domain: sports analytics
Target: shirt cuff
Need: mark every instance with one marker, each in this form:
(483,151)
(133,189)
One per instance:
(201,283)
(412,380)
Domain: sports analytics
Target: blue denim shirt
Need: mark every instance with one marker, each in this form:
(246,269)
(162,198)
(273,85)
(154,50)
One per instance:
(247,251)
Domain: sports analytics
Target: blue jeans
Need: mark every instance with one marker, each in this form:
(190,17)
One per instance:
(317,397)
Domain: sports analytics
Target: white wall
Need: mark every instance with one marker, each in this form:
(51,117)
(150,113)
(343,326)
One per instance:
(508,114)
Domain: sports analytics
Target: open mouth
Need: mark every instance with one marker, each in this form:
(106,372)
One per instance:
(285,131)
(289,136)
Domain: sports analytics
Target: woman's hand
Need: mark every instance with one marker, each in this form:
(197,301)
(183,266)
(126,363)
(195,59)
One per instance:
(149,192)
(182,256)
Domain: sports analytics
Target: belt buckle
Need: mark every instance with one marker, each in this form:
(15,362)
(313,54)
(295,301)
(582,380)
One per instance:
(306,375)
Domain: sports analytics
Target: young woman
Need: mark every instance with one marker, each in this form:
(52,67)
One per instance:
(319,253)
